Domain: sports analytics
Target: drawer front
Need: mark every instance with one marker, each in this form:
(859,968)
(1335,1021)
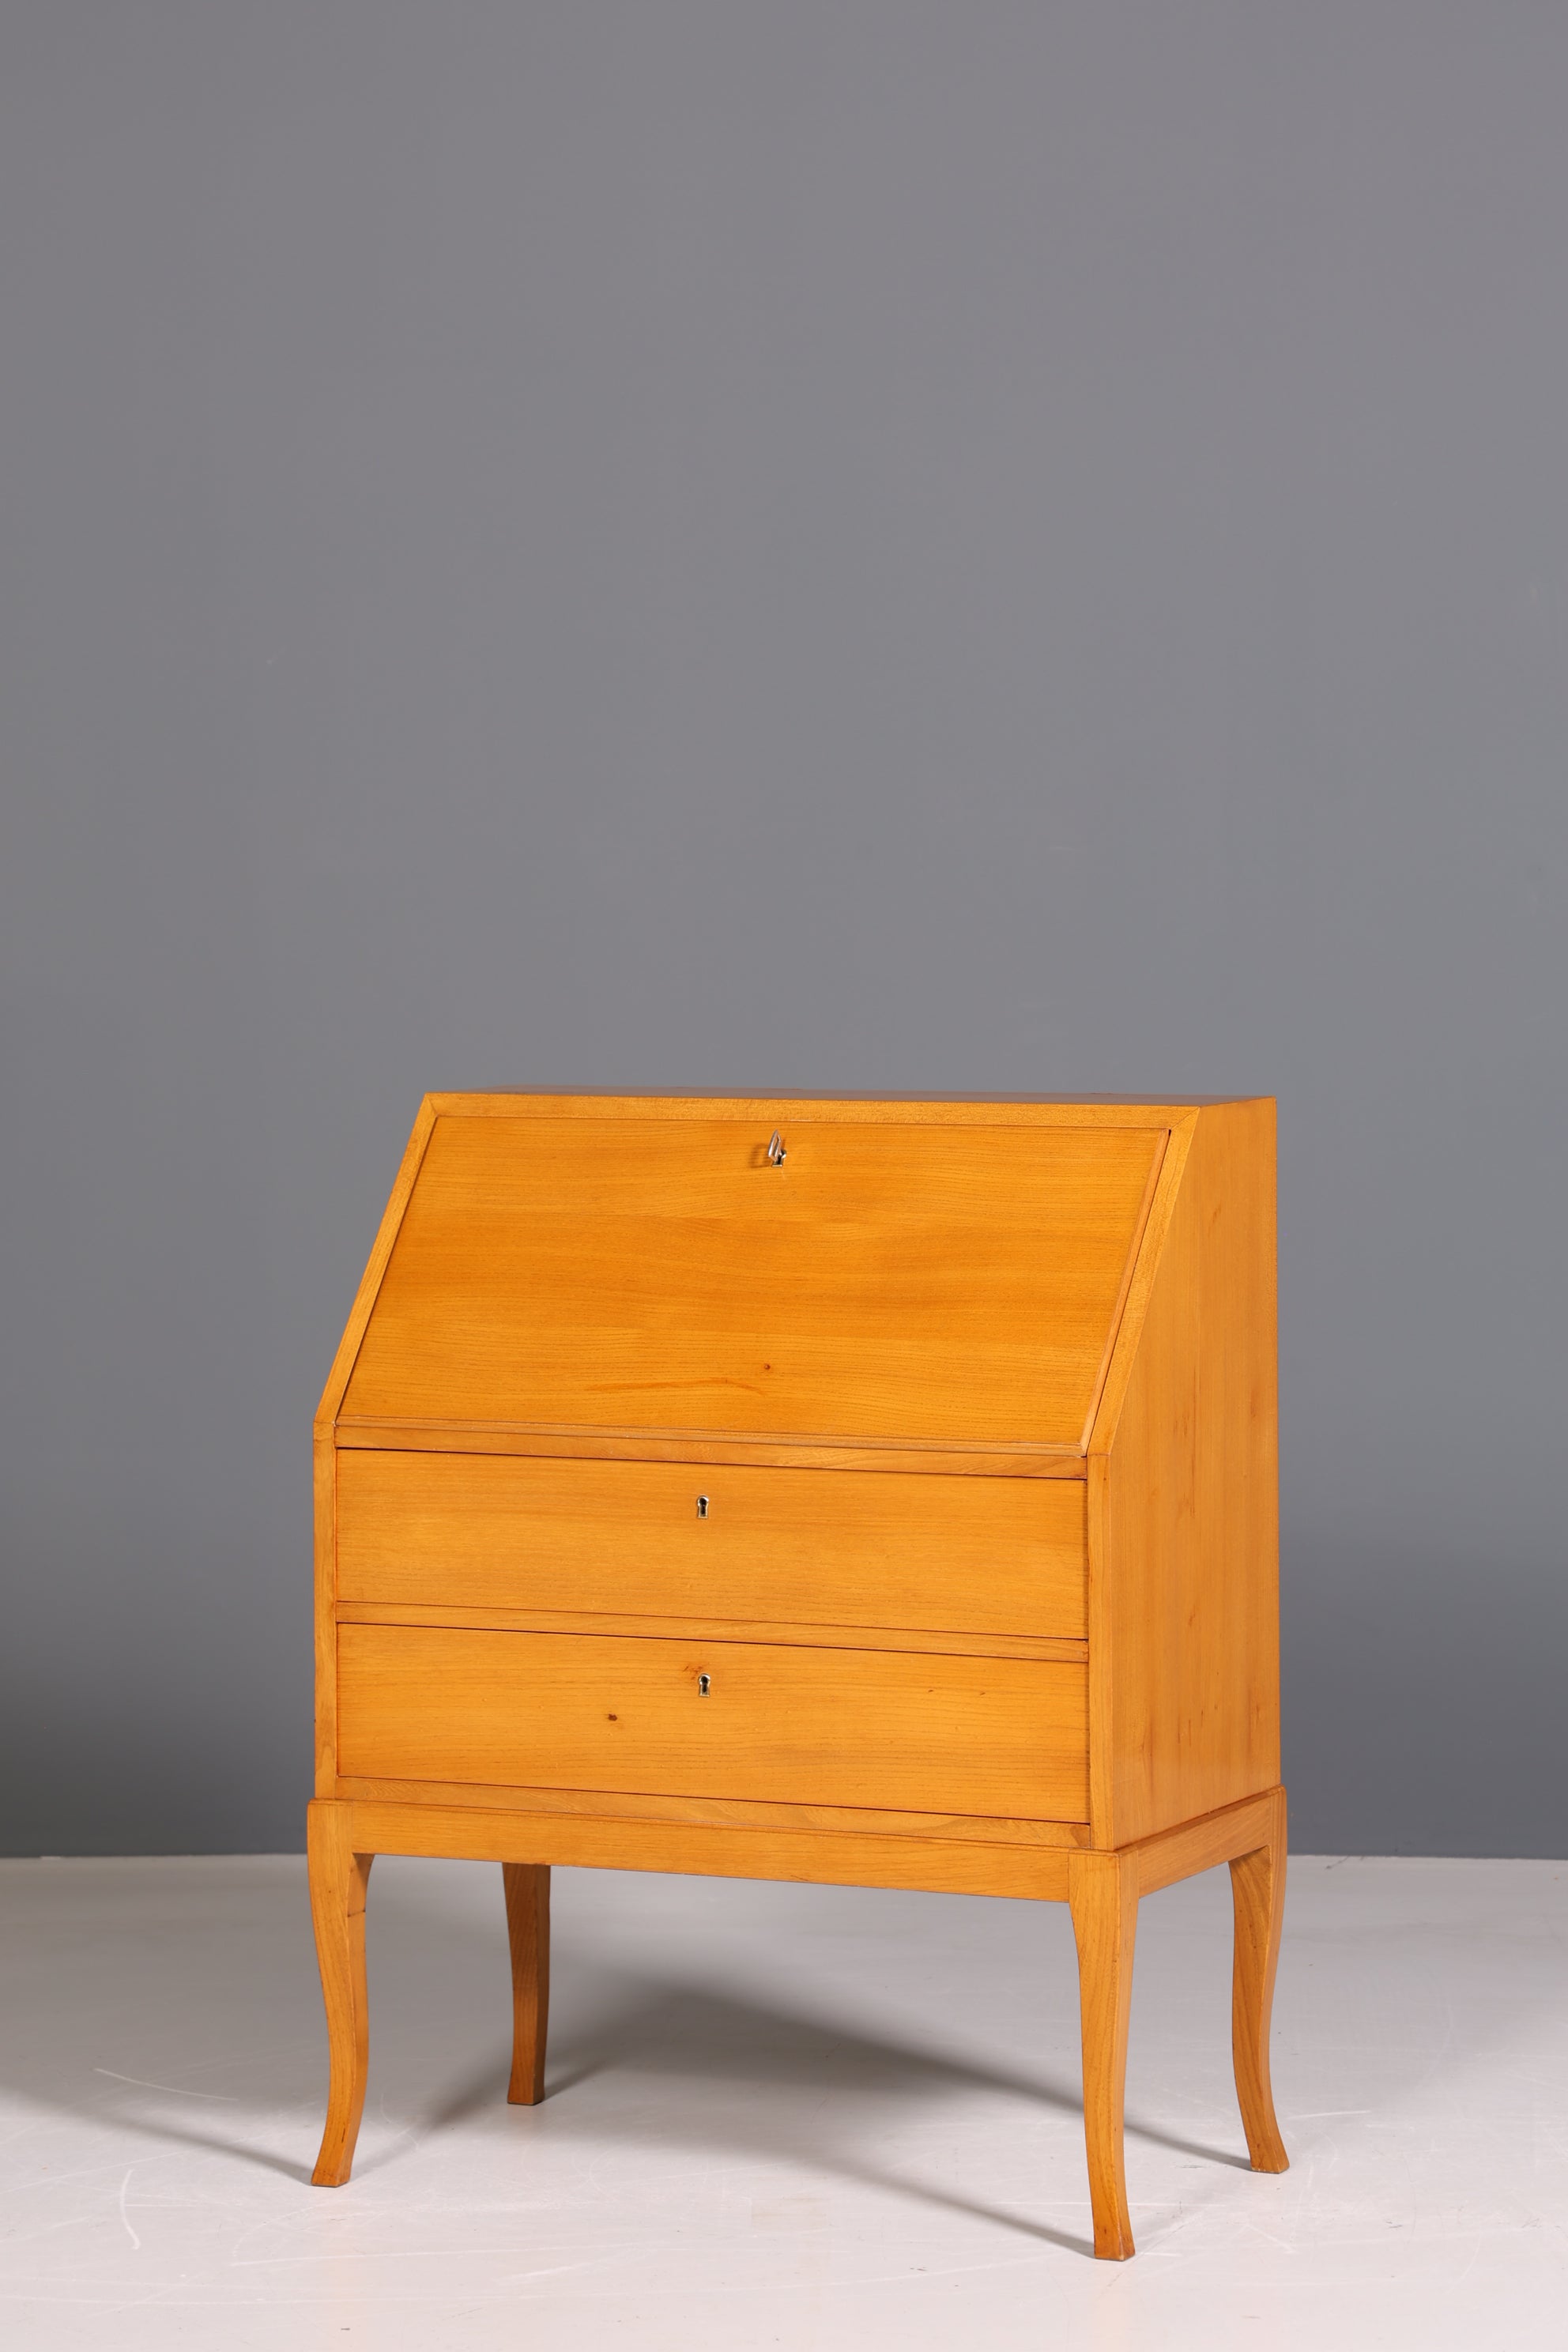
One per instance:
(790,1725)
(785,1547)
(884,1279)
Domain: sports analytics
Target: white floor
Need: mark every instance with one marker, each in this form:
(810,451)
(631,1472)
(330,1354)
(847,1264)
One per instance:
(795,2116)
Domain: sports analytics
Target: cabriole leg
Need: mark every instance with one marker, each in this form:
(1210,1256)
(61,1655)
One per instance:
(1103,1895)
(527,1887)
(1257,1886)
(338,1880)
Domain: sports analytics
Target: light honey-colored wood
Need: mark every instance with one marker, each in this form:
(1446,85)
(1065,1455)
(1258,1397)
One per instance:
(768,1546)
(1102,1585)
(527,1891)
(1181,1852)
(1102,1891)
(719,1812)
(1056,1650)
(659,1274)
(877,1728)
(954,1458)
(324,1496)
(1257,1886)
(1118,1322)
(369,1289)
(705,1850)
(1183,1530)
(851,1110)
(1127,1338)
(981,1391)
(339,1875)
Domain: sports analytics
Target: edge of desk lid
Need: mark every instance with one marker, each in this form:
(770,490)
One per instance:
(758,1449)
(1008,1455)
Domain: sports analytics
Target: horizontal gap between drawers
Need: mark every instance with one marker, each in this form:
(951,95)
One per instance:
(1049,1649)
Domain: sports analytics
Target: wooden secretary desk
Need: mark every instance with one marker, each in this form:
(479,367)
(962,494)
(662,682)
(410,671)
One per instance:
(880,1492)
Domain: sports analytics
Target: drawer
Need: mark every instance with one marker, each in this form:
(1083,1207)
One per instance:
(785,1547)
(899,1730)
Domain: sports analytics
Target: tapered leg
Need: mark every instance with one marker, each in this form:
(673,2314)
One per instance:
(527,1887)
(1103,1893)
(1257,1886)
(338,1880)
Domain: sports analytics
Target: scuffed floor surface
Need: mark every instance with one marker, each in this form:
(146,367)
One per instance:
(778,2116)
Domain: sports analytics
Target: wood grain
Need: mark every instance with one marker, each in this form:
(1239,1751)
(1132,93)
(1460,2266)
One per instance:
(1181,1852)
(339,1875)
(716,1813)
(948,1283)
(1257,1886)
(855,1110)
(806,1727)
(1116,1324)
(527,1890)
(324,1486)
(1164,1191)
(997,1555)
(1056,1651)
(375,1267)
(1101,1588)
(981,1393)
(818,1450)
(1103,1896)
(1183,1534)
(826,1857)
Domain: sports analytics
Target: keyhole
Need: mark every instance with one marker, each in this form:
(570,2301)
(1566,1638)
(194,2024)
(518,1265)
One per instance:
(703,1506)
(703,1683)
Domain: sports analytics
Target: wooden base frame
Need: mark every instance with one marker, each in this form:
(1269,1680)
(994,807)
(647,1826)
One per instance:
(1103,1888)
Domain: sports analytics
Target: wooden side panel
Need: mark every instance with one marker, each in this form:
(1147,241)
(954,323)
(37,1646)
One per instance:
(909,1281)
(976,1555)
(1183,1540)
(865,1727)
(324,1469)
(381,1252)
(1164,1191)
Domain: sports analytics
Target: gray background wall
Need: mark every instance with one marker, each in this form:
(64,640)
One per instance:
(858,545)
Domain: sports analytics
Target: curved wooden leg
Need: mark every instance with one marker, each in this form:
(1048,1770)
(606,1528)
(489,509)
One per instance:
(527,1885)
(1257,1887)
(1103,1890)
(337,1881)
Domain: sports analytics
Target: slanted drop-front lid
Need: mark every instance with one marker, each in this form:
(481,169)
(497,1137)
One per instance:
(900,1278)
